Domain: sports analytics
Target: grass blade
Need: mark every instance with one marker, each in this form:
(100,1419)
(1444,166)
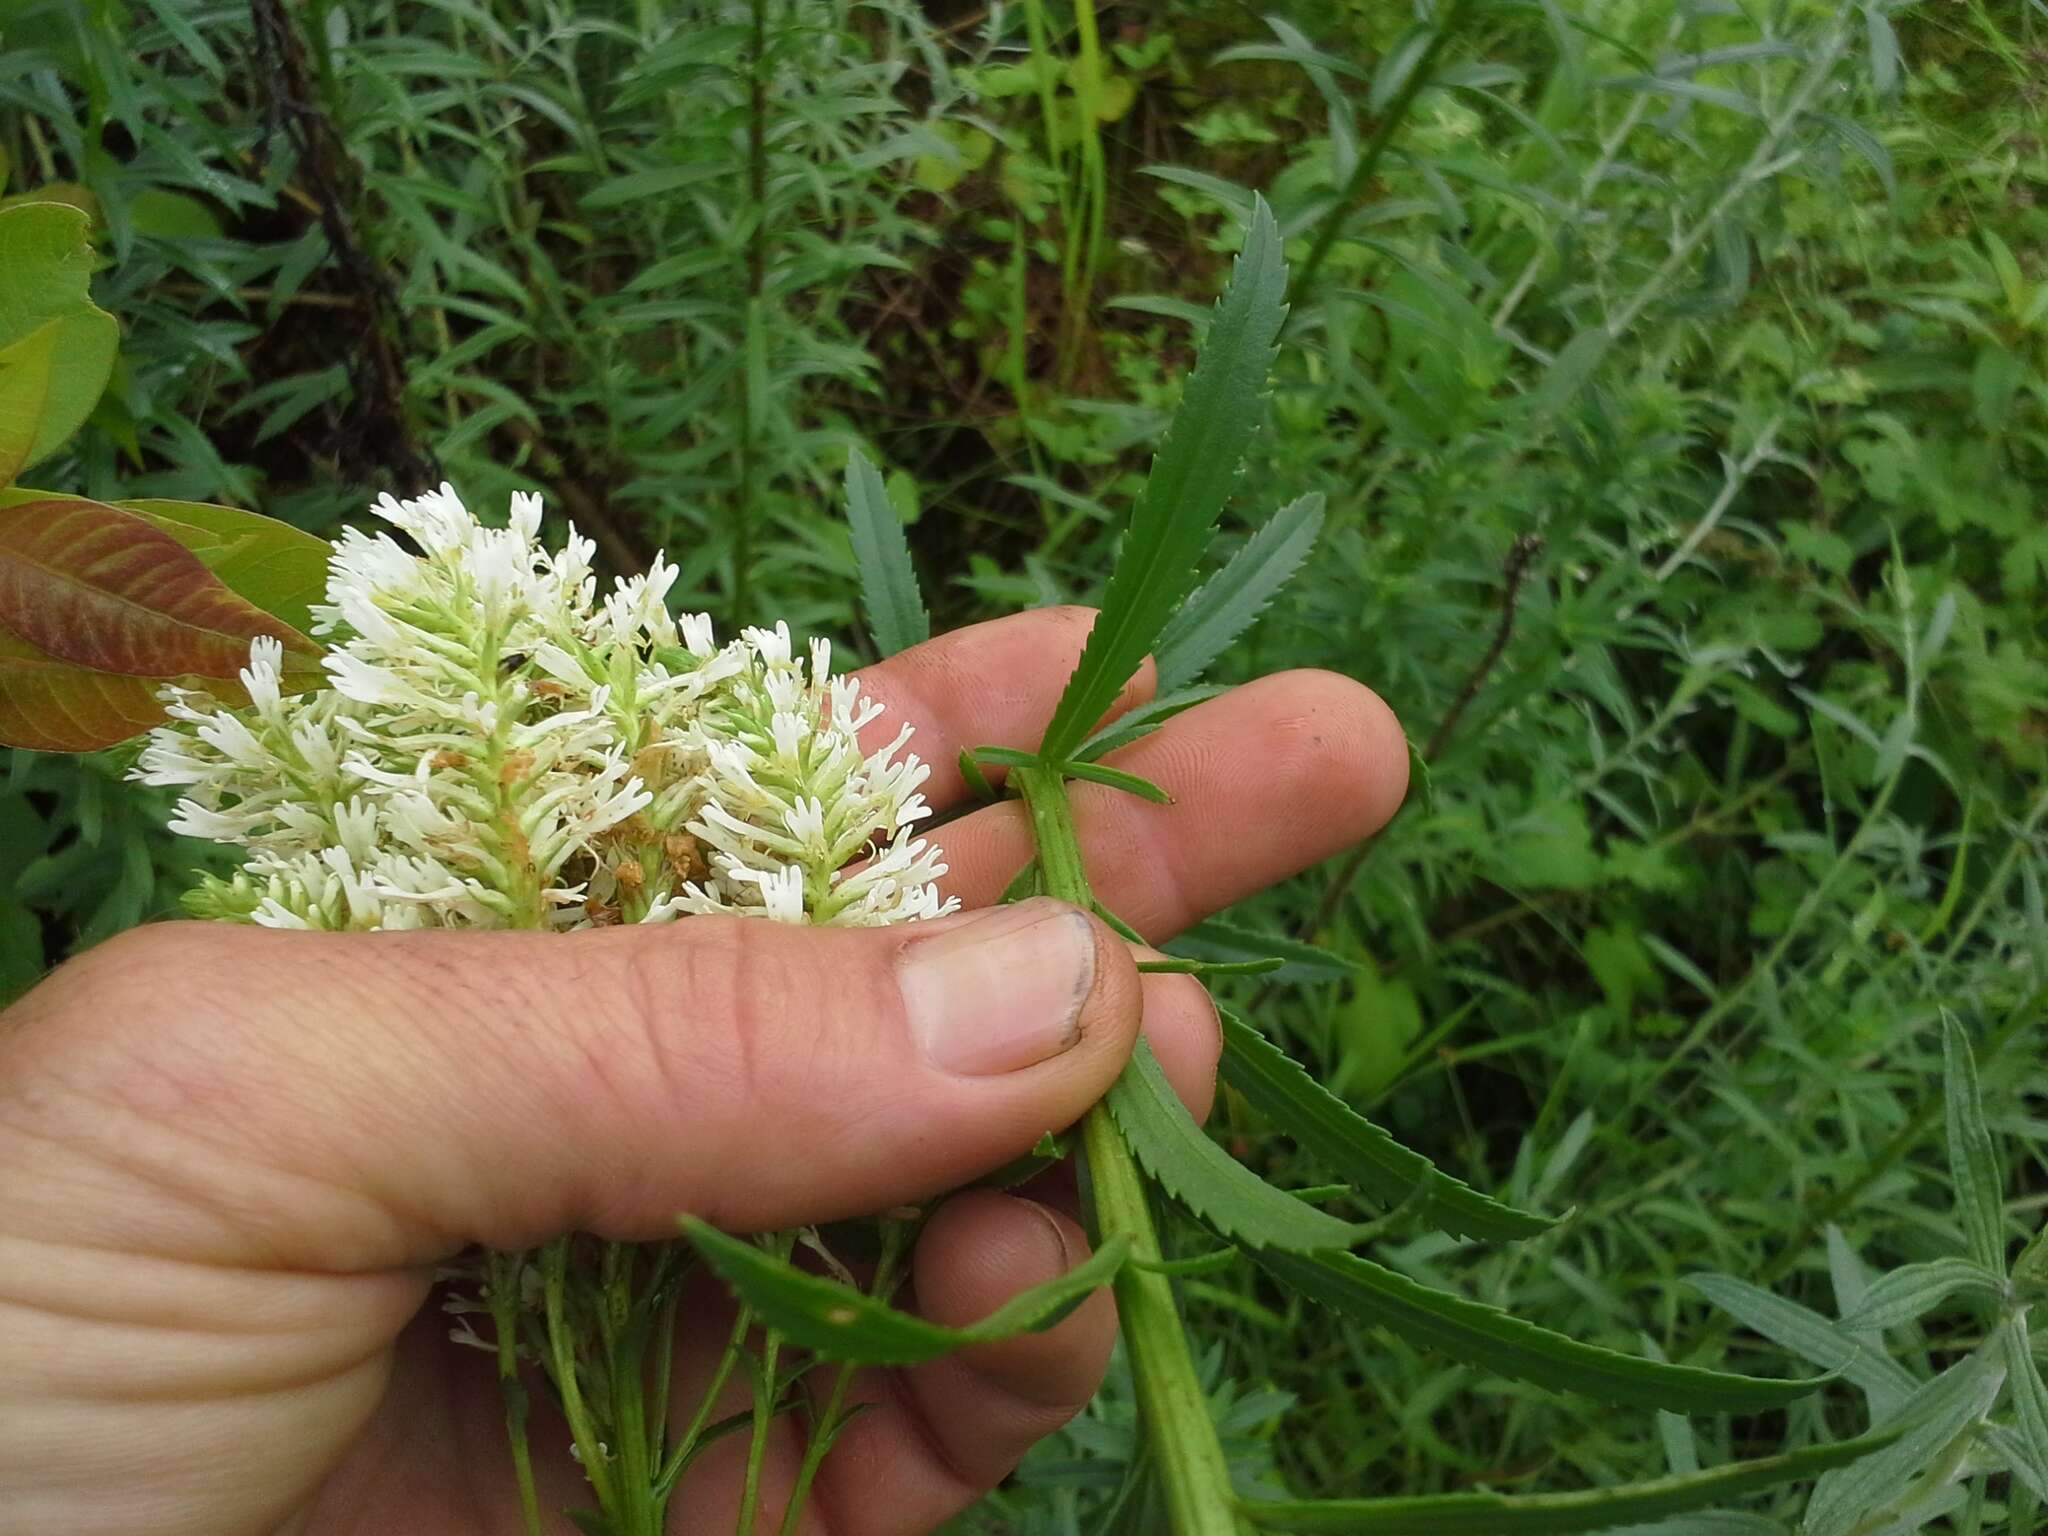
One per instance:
(1601,1509)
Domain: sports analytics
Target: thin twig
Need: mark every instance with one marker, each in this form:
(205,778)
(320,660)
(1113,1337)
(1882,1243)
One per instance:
(1737,476)
(1382,135)
(1526,548)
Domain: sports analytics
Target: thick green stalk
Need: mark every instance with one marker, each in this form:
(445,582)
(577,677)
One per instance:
(1181,1436)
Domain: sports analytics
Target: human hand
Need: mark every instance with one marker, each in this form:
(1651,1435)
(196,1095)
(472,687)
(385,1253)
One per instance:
(235,1156)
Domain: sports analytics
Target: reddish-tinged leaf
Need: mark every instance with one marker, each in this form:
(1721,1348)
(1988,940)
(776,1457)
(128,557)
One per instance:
(279,568)
(50,706)
(107,590)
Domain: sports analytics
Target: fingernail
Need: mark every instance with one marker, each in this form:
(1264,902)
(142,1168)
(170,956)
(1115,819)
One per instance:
(1000,990)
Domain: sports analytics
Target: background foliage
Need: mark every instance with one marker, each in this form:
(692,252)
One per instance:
(1676,376)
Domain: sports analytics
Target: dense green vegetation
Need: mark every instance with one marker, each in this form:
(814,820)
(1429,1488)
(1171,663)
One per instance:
(1676,376)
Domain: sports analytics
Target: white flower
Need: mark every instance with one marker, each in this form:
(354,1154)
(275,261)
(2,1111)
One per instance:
(498,748)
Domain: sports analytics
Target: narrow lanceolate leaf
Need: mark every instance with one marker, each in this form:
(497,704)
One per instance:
(48,705)
(1495,1340)
(1141,722)
(1913,1290)
(839,1323)
(1934,1418)
(1190,481)
(1815,1339)
(1116,778)
(2030,1404)
(888,582)
(107,590)
(1225,605)
(1356,1149)
(279,568)
(1207,1180)
(1492,1514)
(1216,939)
(1972,1159)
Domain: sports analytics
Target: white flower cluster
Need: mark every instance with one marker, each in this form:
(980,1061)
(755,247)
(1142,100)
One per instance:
(497,748)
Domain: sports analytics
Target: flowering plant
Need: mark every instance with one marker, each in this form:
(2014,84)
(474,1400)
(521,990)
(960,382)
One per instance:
(482,743)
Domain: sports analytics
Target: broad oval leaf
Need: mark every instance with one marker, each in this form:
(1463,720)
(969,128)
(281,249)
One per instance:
(279,568)
(107,590)
(1191,478)
(1598,1509)
(46,253)
(25,367)
(48,705)
(1278,1088)
(1486,1336)
(1214,1186)
(840,1323)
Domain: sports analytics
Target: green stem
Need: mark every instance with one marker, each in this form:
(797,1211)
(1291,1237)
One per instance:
(765,1394)
(824,1431)
(764,1419)
(504,1298)
(554,1264)
(1180,1434)
(680,1453)
(1382,135)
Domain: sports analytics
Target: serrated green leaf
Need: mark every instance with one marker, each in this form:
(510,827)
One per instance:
(1602,1509)
(1815,1339)
(1915,1289)
(1142,722)
(1972,1158)
(839,1323)
(1278,1088)
(1190,480)
(1944,1408)
(1225,605)
(1486,1336)
(888,582)
(1212,1185)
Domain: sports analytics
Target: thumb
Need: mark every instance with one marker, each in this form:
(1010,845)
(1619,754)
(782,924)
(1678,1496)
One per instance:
(354,1101)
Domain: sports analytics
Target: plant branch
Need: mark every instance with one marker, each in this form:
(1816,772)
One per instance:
(1375,150)
(1180,1434)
